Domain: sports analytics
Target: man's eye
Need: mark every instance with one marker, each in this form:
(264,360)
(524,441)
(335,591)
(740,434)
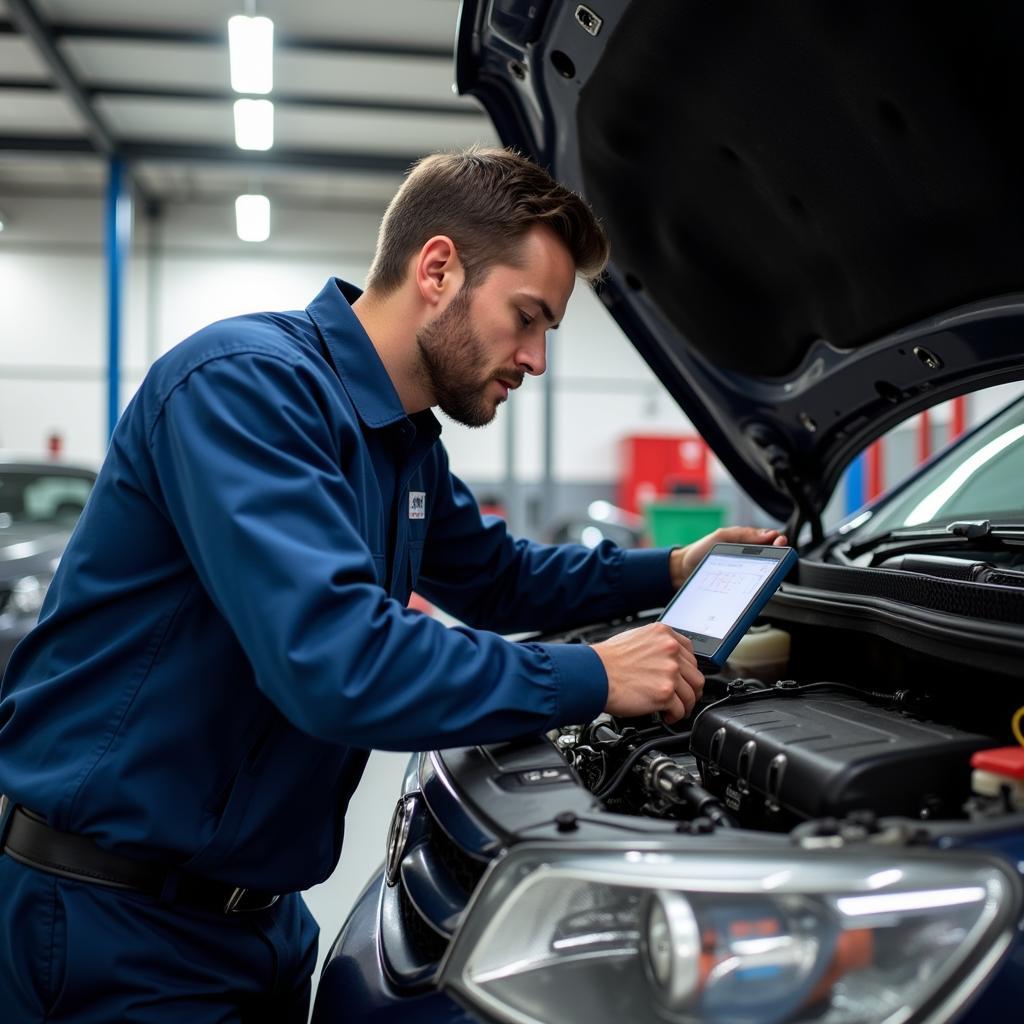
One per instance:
(524,319)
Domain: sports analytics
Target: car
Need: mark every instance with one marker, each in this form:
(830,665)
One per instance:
(40,502)
(815,234)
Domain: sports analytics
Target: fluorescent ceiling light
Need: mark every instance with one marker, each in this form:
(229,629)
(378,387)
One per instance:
(252,218)
(254,124)
(251,49)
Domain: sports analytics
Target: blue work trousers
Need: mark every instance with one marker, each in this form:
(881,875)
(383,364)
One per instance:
(75,952)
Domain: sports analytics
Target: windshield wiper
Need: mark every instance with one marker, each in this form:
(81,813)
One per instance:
(968,534)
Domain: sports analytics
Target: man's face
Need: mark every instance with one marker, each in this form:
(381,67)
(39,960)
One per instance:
(490,336)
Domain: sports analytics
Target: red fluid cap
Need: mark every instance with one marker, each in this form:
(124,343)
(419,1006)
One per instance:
(1008,761)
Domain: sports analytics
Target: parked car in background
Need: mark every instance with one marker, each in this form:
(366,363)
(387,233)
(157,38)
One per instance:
(815,218)
(39,506)
(600,521)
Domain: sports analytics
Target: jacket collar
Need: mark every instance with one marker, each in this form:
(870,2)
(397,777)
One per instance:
(356,360)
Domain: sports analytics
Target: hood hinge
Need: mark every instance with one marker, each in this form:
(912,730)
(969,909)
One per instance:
(777,457)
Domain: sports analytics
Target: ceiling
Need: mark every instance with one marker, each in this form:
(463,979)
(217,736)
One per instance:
(360,90)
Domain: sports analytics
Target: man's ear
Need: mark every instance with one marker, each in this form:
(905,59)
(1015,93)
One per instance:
(438,271)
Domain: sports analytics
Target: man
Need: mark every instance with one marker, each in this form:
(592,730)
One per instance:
(226,637)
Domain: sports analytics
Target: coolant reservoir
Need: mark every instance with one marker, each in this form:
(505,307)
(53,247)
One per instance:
(762,653)
(1000,771)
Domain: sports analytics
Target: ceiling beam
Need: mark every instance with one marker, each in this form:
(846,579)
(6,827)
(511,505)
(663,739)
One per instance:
(225,155)
(289,99)
(43,144)
(96,90)
(25,19)
(229,154)
(208,196)
(283,40)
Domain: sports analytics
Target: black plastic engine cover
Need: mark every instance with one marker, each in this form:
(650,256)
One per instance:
(776,759)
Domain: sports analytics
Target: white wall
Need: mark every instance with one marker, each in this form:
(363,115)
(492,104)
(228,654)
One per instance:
(53,330)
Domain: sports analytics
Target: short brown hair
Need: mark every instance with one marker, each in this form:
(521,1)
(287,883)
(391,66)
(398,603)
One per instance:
(485,200)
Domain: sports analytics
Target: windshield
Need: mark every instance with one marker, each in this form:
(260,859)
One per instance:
(981,479)
(38,496)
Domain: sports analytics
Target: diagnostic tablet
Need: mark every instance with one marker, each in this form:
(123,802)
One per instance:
(723,596)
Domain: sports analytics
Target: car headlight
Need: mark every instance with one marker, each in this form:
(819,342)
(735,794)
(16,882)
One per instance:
(26,595)
(562,935)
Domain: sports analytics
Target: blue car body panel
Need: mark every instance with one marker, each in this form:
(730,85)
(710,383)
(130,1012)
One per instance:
(359,984)
(354,985)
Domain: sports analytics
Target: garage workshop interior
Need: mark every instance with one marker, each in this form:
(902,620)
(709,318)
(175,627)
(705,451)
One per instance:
(511,512)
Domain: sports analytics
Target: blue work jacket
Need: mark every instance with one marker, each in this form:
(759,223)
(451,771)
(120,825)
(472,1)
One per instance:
(226,636)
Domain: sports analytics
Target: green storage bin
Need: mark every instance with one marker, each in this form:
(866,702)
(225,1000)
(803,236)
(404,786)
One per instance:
(680,522)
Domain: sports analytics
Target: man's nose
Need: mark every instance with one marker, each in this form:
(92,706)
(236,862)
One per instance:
(532,357)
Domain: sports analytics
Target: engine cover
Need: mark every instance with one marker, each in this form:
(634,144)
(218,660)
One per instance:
(779,759)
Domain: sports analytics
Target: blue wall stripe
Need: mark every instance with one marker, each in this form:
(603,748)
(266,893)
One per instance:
(855,484)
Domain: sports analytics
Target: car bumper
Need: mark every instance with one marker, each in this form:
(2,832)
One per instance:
(354,985)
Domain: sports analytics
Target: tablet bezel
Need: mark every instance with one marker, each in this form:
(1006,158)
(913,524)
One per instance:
(714,650)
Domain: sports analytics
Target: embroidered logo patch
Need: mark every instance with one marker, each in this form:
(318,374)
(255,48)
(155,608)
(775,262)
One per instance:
(417,504)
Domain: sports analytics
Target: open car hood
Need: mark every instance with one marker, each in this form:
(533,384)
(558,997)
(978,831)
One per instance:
(816,211)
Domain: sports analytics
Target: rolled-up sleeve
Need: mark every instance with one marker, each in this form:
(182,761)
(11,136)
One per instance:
(252,470)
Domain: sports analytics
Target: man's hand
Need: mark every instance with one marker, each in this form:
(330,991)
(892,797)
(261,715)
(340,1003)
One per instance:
(683,561)
(652,668)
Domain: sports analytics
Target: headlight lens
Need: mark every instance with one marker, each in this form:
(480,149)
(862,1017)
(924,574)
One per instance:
(567,935)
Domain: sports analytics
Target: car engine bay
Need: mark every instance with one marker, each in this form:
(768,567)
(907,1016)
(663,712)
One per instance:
(842,729)
(775,744)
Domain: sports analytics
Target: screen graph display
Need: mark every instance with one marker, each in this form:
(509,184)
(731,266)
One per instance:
(717,594)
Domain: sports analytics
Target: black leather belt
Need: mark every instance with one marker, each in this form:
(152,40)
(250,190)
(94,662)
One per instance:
(30,841)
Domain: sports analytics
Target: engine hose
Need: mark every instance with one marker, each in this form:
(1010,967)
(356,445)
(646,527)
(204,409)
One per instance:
(663,777)
(679,739)
(1015,725)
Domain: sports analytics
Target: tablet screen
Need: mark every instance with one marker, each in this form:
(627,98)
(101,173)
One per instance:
(717,594)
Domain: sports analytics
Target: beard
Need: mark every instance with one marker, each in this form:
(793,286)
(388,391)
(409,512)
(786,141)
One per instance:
(453,359)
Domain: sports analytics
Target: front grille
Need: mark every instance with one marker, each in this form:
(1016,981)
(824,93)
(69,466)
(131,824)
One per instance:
(424,942)
(436,879)
(465,871)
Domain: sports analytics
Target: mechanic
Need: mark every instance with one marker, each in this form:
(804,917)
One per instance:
(226,637)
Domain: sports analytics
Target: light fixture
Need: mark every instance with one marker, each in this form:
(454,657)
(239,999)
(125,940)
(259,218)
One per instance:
(254,124)
(252,218)
(251,50)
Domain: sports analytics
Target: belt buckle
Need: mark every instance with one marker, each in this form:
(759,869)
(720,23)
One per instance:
(233,904)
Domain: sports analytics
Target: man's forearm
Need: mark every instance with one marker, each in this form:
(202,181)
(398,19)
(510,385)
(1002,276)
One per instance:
(677,567)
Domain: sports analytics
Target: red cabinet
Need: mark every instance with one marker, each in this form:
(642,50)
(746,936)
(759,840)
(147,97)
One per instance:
(656,466)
